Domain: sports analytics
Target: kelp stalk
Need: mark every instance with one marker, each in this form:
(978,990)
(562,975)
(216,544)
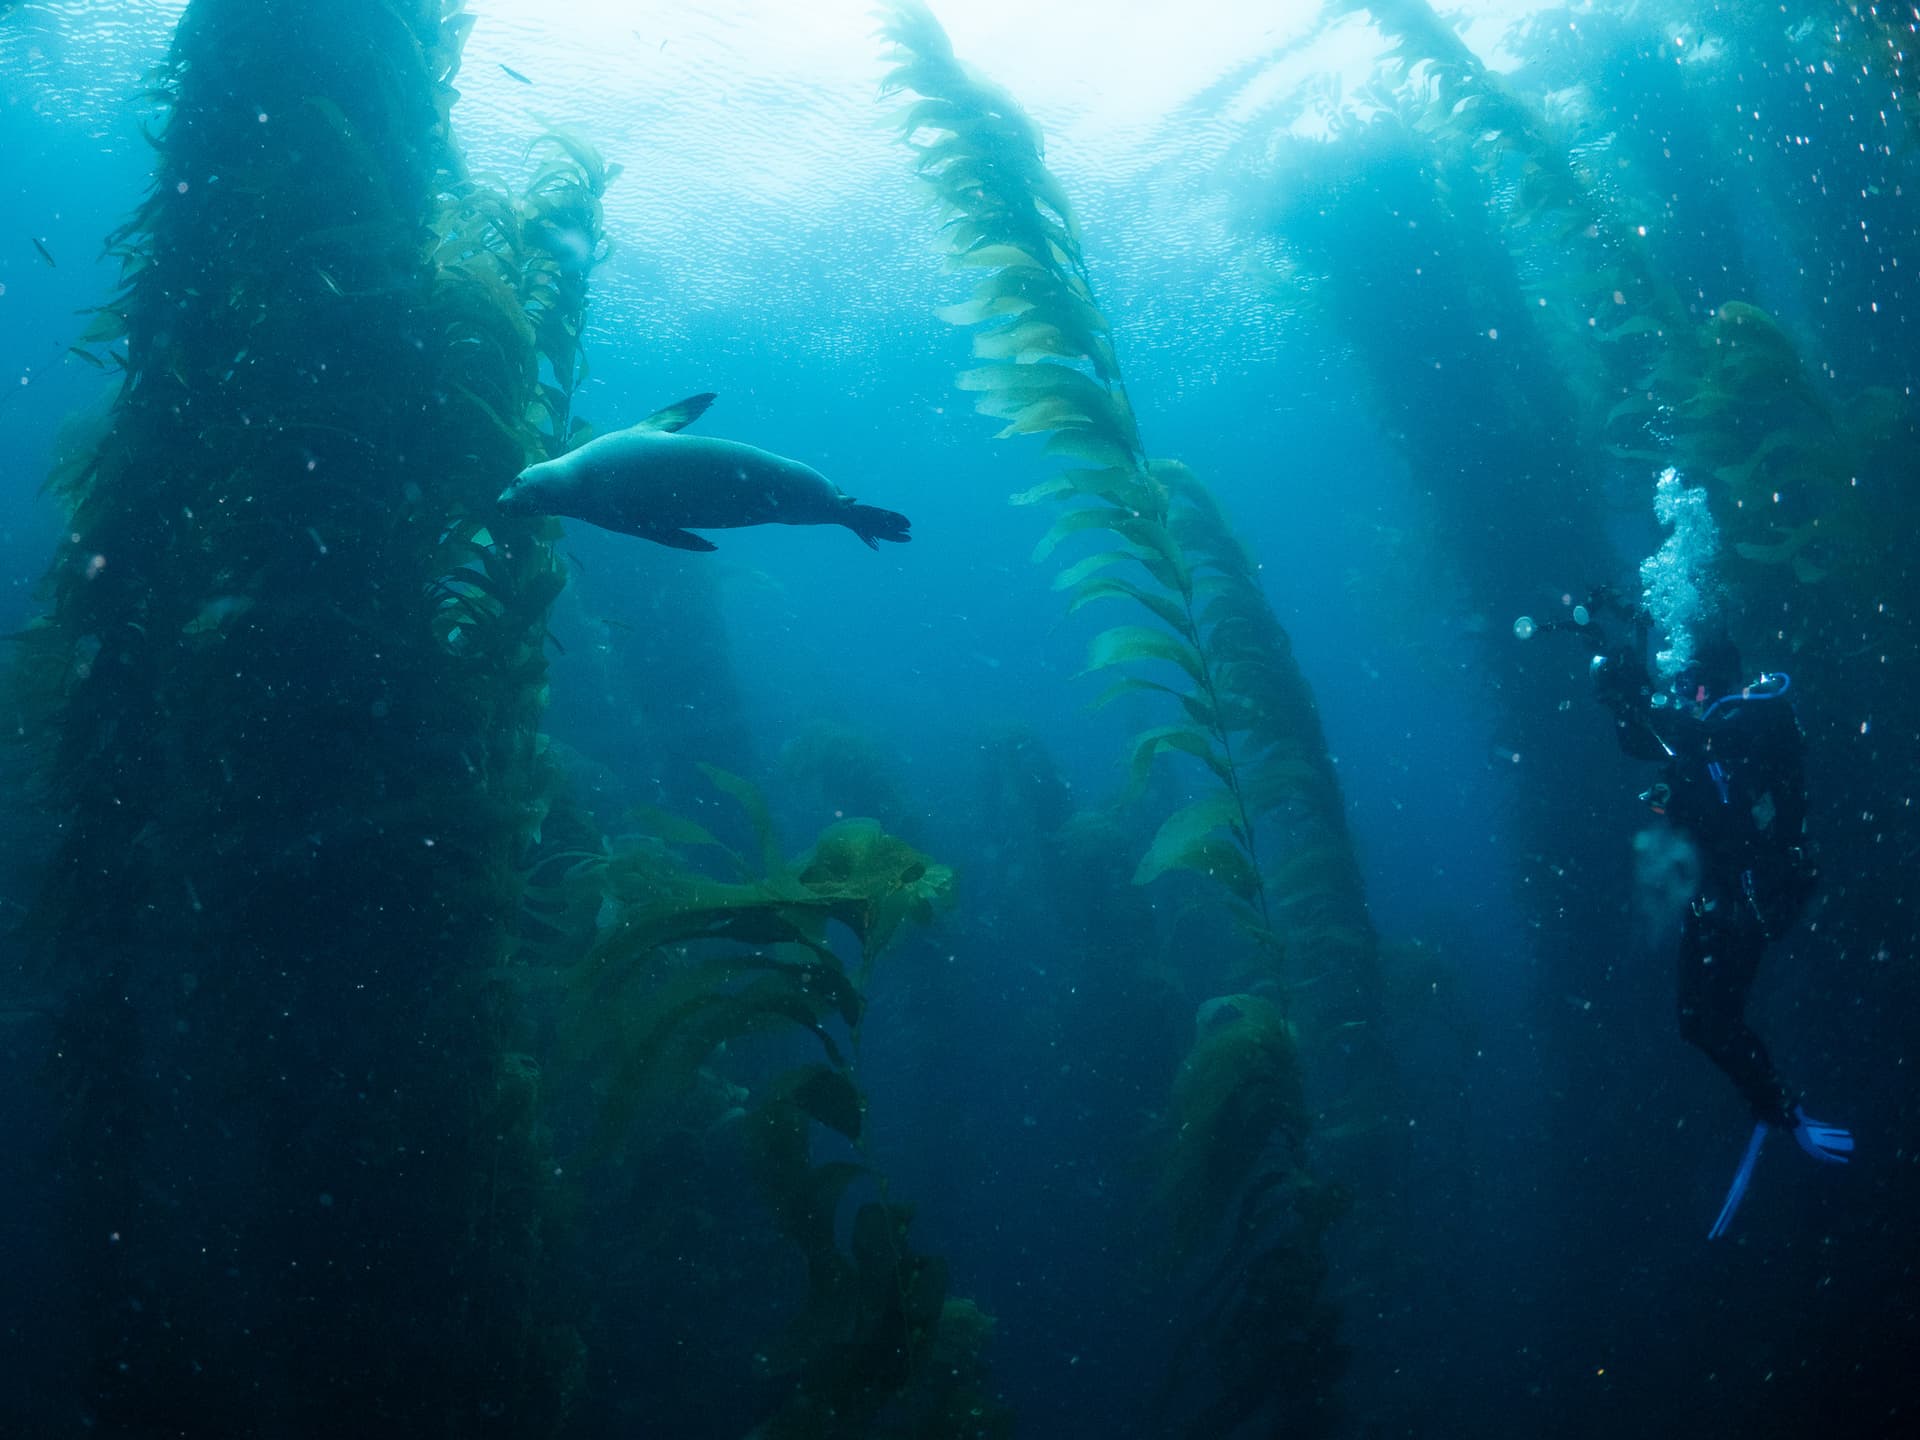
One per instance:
(287,694)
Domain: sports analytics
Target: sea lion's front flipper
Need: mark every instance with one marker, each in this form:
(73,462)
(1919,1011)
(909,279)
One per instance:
(678,415)
(678,539)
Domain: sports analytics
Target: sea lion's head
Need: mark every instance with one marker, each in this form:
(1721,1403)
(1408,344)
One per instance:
(533,491)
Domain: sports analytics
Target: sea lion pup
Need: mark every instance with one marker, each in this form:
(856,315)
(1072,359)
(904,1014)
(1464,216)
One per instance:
(651,481)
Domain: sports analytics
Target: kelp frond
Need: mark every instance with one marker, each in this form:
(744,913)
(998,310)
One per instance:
(1203,634)
(686,963)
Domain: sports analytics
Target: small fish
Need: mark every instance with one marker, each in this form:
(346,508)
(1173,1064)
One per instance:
(45,254)
(513,74)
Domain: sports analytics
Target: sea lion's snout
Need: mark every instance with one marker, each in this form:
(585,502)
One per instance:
(518,498)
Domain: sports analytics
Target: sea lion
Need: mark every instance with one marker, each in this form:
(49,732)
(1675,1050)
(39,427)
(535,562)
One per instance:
(649,480)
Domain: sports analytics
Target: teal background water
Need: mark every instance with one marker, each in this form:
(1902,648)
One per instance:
(770,244)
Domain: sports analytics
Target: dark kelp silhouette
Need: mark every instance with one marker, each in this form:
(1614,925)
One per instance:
(285,699)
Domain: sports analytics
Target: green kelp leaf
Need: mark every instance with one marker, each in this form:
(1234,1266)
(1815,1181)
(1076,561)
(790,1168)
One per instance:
(1781,551)
(595,172)
(1188,739)
(1127,643)
(874,882)
(1310,874)
(1241,630)
(655,1044)
(1178,476)
(804,1197)
(1806,572)
(748,797)
(1638,325)
(1032,338)
(1199,708)
(1043,332)
(1035,379)
(1060,407)
(1137,684)
(1739,478)
(983,307)
(1636,404)
(1059,297)
(1204,710)
(681,908)
(1239,1086)
(108,325)
(1252,922)
(1219,858)
(965,231)
(552,401)
(1091,447)
(1159,553)
(1048,415)
(1331,944)
(1057,488)
(1075,521)
(1170,608)
(891,1272)
(1181,833)
(1122,486)
(828,1096)
(1090,565)
(674,829)
(984,256)
(933,113)
(1286,773)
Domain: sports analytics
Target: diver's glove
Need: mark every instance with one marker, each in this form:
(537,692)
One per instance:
(1826,1143)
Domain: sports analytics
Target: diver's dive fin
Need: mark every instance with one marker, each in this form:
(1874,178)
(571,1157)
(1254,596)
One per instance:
(1738,1190)
(678,415)
(1824,1142)
(678,539)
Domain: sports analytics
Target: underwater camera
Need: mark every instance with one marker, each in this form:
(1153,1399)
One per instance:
(1619,654)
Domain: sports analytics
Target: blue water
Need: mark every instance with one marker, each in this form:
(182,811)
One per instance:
(1546,1271)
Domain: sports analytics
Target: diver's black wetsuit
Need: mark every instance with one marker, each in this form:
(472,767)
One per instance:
(1733,780)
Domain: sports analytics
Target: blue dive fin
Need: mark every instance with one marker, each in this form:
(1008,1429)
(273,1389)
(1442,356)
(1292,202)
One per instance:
(1738,1190)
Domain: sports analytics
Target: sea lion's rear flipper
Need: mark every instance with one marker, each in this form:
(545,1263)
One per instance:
(871,523)
(678,415)
(678,539)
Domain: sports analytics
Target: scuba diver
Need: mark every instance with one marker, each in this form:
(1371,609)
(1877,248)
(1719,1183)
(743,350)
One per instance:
(1732,781)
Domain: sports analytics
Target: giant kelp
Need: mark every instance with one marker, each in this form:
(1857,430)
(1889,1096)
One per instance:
(701,947)
(1204,636)
(1667,369)
(1725,395)
(286,693)
(1266,829)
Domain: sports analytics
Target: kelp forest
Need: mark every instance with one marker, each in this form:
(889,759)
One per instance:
(443,1009)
